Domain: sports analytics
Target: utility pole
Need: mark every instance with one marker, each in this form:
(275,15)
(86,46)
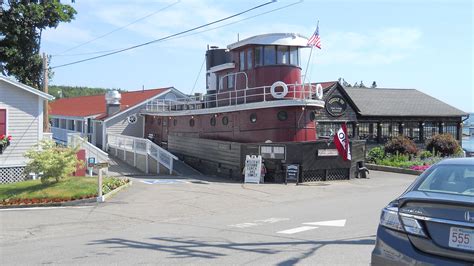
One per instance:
(45,90)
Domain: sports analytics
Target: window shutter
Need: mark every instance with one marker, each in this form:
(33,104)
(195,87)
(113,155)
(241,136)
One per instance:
(3,121)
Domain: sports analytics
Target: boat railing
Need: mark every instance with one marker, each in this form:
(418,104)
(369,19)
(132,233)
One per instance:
(235,97)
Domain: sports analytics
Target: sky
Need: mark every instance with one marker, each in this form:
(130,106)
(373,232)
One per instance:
(426,45)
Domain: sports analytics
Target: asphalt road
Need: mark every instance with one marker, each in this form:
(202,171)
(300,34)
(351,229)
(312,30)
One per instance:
(204,223)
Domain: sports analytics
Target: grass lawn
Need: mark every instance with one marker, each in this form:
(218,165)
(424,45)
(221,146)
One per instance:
(67,189)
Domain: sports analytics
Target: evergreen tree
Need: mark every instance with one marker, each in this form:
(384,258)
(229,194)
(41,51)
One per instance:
(374,85)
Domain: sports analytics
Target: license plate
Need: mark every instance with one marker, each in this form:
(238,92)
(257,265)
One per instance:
(461,238)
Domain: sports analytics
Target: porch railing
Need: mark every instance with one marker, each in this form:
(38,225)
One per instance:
(143,147)
(76,140)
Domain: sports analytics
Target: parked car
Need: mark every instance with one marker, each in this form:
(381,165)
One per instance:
(432,222)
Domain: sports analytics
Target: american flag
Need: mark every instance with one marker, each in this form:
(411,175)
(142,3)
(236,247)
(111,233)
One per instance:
(315,40)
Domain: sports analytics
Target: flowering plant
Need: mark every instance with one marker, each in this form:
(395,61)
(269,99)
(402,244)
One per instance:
(5,140)
(420,167)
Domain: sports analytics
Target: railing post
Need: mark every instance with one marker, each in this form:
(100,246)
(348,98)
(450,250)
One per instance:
(158,156)
(134,153)
(264,94)
(171,166)
(147,147)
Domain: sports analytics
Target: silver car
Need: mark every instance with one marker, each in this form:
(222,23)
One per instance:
(432,222)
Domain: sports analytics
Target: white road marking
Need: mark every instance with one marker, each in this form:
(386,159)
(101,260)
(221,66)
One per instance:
(297,230)
(272,220)
(46,208)
(337,223)
(259,222)
(163,181)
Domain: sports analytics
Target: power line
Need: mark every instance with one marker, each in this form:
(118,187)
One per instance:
(199,32)
(117,29)
(167,37)
(240,20)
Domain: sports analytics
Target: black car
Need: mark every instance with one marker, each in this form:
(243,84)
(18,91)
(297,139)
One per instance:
(432,222)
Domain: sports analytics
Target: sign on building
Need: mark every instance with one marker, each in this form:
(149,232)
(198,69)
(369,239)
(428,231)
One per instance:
(252,169)
(273,152)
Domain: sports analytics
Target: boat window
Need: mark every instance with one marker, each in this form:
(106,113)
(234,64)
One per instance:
(283,55)
(225,120)
(269,55)
(249,59)
(312,116)
(175,122)
(253,118)
(282,115)
(230,81)
(213,121)
(258,55)
(191,122)
(242,60)
(159,121)
(294,56)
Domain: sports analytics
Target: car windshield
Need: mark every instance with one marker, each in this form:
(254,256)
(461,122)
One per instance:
(452,179)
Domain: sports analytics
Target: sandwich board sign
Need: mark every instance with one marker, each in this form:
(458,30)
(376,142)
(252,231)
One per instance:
(253,169)
(292,173)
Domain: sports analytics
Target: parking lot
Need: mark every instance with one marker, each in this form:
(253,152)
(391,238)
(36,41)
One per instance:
(190,221)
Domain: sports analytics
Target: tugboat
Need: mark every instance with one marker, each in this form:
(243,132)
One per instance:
(255,93)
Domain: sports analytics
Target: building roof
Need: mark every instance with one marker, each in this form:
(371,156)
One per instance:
(287,39)
(27,88)
(94,105)
(399,102)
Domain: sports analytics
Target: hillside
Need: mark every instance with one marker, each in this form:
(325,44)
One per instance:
(60,91)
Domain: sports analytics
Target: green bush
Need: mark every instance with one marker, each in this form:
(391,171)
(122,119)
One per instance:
(443,144)
(376,154)
(400,145)
(425,155)
(54,162)
(401,160)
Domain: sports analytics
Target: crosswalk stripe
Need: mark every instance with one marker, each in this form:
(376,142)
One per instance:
(297,230)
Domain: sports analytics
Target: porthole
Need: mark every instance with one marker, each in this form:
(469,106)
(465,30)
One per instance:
(253,118)
(213,121)
(312,116)
(225,120)
(191,122)
(175,122)
(282,115)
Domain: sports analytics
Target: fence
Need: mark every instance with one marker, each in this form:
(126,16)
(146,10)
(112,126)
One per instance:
(140,146)
(75,140)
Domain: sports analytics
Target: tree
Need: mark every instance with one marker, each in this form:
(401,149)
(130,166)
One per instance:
(361,85)
(54,162)
(374,85)
(21,25)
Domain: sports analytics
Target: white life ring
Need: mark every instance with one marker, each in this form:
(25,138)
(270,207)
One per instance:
(279,95)
(319,92)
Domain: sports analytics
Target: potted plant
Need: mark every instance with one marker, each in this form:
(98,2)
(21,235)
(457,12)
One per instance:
(4,142)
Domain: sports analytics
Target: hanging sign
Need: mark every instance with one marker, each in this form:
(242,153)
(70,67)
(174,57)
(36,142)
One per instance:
(336,105)
(252,169)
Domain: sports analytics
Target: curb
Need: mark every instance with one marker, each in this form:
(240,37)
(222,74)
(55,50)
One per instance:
(68,203)
(115,191)
(392,169)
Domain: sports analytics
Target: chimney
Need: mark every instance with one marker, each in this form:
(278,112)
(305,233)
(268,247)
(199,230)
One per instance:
(112,101)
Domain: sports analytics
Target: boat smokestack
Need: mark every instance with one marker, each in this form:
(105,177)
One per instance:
(112,101)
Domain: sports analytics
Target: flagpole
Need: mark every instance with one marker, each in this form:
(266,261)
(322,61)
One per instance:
(309,59)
